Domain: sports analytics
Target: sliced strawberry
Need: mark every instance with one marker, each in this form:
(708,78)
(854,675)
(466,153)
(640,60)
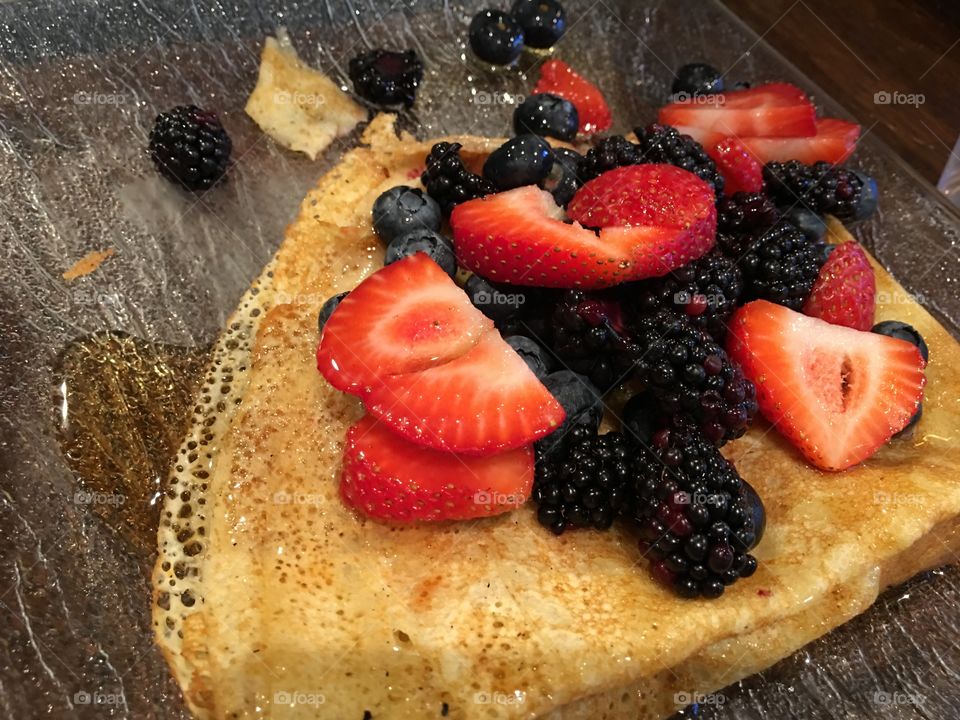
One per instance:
(836,393)
(846,291)
(741,171)
(518,237)
(388,478)
(629,200)
(775,110)
(485,402)
(834,142)
(558,78)
(405,317)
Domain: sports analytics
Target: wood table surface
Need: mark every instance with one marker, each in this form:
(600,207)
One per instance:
(855,49)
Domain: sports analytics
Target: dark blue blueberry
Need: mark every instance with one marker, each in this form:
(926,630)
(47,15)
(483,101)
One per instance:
(757,512)
(908,428)
(543,21)
(402,209)
(580,399)
(812,225)
(869,198)
(426,241)
(697,79)
(498,304)
(496,37)
(536,357)
(523,160)
(639,419)
(546,115)
(903,331)
(564,178)
(327,310)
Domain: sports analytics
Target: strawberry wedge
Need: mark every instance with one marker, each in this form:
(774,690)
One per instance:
(772,110)
(836,393)
(388,478)
(558,78)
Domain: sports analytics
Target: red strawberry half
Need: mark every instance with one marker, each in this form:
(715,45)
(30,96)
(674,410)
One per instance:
(388,478)
(517,237)
(558,78)
(846,291)
(836,393)
(741,171)
(774,110)
(632,199)
(484,402)
(405,317)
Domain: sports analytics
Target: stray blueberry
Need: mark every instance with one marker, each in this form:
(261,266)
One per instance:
(496,37)
(543,21)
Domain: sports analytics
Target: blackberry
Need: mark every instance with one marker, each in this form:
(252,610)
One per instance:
(608,154)
(584,481)
(781,265)
(664,144)
(821,187)
(189,146)
(744,214)
(691,377)
(447,180)
(705,290)
(587,335)
(385,77)
(697,519)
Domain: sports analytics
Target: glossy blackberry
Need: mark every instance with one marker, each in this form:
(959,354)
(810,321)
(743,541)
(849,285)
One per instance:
(705,290)
(664,144)
(447,180)
(697,519)
(610,153)
(745,213)
(691,377)
(584,481)
(588,337)
(821,187)
(780,265)
(386,77)
(189,146)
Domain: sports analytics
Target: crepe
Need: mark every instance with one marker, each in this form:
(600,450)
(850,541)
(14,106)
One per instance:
(287,604)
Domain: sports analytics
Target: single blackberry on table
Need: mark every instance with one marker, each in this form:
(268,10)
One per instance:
(584,481)
(189,146)
(608,154)
(664,144)
(821,187)
(780,265)
(696,517)
(447,180)
(705,290)
(691,377)
(386,77)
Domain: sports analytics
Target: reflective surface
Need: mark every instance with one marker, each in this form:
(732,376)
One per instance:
(80,87)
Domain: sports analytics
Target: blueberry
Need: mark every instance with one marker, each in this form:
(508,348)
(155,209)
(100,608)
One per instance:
(757,512)
(580,399)
(427,241)
(639,419)
(869,198)
(903,331)
(543,21)
(697,79)
(533,354)
(402,209)
(811,224)
(497,304)
(523,160)
(496,37)
(908,428)
(546,115)
(327,310)
(564,178)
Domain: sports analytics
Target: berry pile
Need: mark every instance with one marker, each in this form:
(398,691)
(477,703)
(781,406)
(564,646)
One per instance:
(822,187)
